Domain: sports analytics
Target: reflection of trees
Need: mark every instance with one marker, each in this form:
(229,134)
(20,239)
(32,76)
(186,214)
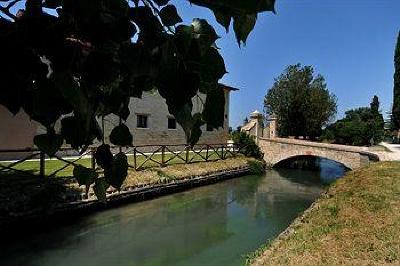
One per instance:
(301,177)
(279,194)
(247,187)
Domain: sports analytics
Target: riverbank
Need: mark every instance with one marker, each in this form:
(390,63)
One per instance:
(357,222)
(37,199)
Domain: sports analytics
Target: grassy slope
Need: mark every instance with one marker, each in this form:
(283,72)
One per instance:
(356,223)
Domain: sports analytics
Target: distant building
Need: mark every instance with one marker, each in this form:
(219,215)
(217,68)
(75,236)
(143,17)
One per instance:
(255,126)
(149,121)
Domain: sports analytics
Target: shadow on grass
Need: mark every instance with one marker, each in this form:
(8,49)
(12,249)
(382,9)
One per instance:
(24,193)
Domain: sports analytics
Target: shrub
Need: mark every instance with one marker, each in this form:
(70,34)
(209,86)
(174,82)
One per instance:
(247,145)
(256,167)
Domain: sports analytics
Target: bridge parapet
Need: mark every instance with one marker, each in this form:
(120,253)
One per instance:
(279,149)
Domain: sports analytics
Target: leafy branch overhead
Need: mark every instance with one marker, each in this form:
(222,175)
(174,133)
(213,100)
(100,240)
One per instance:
(78,61)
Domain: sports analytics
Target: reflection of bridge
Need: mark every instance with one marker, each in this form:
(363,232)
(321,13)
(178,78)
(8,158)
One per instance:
(278,149)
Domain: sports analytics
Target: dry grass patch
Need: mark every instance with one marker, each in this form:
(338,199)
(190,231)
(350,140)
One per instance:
(357,222)
(179,171)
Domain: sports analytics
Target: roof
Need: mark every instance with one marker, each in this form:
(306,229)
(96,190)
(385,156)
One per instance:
(226,87)
(248,126)
(255,114)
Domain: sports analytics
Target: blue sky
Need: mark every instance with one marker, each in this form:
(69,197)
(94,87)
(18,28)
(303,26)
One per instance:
(350,42)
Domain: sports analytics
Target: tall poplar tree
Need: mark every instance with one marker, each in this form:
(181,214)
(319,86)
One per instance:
(396,88)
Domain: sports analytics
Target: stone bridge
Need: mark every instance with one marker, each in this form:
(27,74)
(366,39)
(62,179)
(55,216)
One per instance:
(279,149)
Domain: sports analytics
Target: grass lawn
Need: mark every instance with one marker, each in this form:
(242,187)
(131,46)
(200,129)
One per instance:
(356,223)
(53,165)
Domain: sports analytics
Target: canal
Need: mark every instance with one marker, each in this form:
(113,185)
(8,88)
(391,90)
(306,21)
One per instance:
(212,225)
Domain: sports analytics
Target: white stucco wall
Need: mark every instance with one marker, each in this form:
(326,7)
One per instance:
(155,107)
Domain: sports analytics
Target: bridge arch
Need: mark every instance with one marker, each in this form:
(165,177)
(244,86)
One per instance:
(324,155)
(277,149)
(297,157)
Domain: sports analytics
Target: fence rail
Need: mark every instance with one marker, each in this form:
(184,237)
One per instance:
(33,162)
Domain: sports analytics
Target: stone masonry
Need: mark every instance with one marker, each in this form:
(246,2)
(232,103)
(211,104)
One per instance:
(279,149)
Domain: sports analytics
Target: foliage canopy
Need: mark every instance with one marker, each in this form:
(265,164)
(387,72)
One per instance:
(78,61)
(361,126)
(301,102)
(396,88)
(247,145)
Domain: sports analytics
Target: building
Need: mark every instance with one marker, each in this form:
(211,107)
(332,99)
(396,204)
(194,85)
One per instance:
(149,121)
(152,124)
(255,126)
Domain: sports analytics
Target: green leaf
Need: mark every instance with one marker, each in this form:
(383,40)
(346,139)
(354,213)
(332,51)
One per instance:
(52,3)
(161,2)
(204,33)
(214,108)
(223,19)
(212,69)
(195,132)
(243,25)
(39,102)
(78,132)
(48,143)
(238,6)
(117,173)
(100,188)
(103,156)
(121,136)
(84,176)
(244,13)
(169,15)
(72,92)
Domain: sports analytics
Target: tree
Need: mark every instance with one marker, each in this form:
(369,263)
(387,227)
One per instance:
(361,126)
(396,87)
(85,59)
(301,102)
(374,105)
(247,144)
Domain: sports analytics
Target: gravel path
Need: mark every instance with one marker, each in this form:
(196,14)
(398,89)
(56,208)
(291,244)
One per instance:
(393,155)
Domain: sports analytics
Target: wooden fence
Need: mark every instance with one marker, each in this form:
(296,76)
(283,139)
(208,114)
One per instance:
(35,163)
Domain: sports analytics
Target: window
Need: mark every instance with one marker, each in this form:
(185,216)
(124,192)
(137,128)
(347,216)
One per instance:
(171,123)
(142,121)
(209,128)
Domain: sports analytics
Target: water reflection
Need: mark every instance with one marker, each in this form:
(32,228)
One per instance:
(213,225)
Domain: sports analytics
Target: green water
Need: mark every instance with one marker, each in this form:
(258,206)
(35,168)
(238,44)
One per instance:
(212,225)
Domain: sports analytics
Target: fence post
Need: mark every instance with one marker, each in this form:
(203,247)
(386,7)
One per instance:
(93,160)
(162,156)
(187,154)
(222,151)
(42,164)
(207,153)
(134,158)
